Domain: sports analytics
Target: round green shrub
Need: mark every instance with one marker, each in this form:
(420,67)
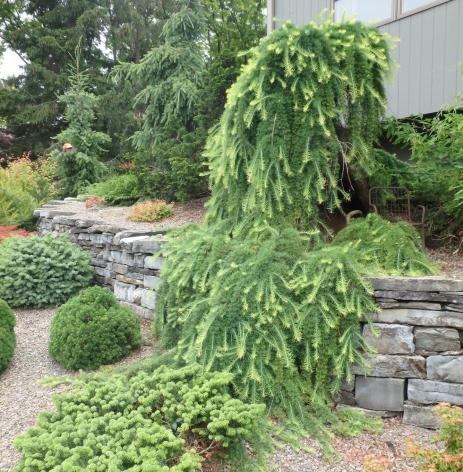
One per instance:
(7,336)
(93,329)
(42,271)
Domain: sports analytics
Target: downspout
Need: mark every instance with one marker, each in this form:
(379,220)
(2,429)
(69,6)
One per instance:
(270,16)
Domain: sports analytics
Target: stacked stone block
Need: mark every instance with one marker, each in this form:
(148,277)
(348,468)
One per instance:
(418,337)
(128,261)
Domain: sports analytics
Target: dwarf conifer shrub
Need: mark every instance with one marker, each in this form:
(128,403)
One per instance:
(386,247)
(7,335)
(166,420)
(92,329)
(284,321)
(42,271)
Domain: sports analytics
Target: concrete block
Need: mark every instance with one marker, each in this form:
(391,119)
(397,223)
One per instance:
(151,281)
(154,263)
(416,284)
(148,299)
(380,394)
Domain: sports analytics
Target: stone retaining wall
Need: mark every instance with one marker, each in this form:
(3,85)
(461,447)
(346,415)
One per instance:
(122,259)
(419,360)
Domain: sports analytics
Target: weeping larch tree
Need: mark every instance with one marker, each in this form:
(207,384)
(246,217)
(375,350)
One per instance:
(255,291)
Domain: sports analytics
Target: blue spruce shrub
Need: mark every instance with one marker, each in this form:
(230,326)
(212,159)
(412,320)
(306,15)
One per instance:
(42,271)
(93,329)
(7,336)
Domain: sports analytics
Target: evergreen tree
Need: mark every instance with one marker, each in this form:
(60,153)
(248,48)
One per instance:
(80,167)
(170,77)
(44,34)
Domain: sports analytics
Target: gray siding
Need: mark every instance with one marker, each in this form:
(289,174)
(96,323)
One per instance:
(429,53)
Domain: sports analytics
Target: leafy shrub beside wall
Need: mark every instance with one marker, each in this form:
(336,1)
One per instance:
(386,247)
(42,271)
(93,329)
(7,335)
(157,421)
(117,190)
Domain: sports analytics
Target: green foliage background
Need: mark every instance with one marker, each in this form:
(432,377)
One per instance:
(92,329)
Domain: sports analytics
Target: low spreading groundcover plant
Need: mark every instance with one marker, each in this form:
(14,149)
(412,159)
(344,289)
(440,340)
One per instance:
(166,420)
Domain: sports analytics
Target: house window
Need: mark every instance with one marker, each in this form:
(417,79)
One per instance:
(410,5)
(364,10)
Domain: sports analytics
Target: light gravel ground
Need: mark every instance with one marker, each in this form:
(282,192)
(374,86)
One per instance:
(188,212)
(21,396)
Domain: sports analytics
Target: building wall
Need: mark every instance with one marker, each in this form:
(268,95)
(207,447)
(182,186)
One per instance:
(429,53)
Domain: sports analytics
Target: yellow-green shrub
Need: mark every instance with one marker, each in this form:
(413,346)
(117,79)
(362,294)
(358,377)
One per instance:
(150,211)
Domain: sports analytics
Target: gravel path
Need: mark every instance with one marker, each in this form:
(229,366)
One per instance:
(21,396)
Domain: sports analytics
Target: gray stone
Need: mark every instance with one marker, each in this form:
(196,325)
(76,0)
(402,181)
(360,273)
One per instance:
(445,368)
(450,319)
(432,392)
(140,311)
(123,291)
(417,284)
(454,307)
(87,223)
(137,296)
(126,258)
(348,386)
(444,297)
(151,281)
(421,416)
(373,413)
(402,367)
(128,243)
(393,338)
(128,280)
(380,394)
(403,304)
(102,272)
(147,246)
(436,340)
(138,261)
(148,299)
(120,269)
(345,398)
(154,263)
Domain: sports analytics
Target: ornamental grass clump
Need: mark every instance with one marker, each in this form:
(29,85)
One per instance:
(42,271)
(93,329)
(168,420)
(386,247)
(7,335)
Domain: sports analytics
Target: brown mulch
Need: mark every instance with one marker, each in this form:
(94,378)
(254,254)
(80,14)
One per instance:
(450,263)
(184,213)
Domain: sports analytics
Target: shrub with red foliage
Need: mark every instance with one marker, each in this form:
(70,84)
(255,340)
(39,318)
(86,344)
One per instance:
(92,202)
(10,231)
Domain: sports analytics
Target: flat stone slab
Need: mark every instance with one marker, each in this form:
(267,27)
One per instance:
(421,416)
(380,394)
(401,367)
(451,319)
(373,413)
(444,297)
(393,338)
(445,368)
(431,392)
(437,340)
(417,284)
